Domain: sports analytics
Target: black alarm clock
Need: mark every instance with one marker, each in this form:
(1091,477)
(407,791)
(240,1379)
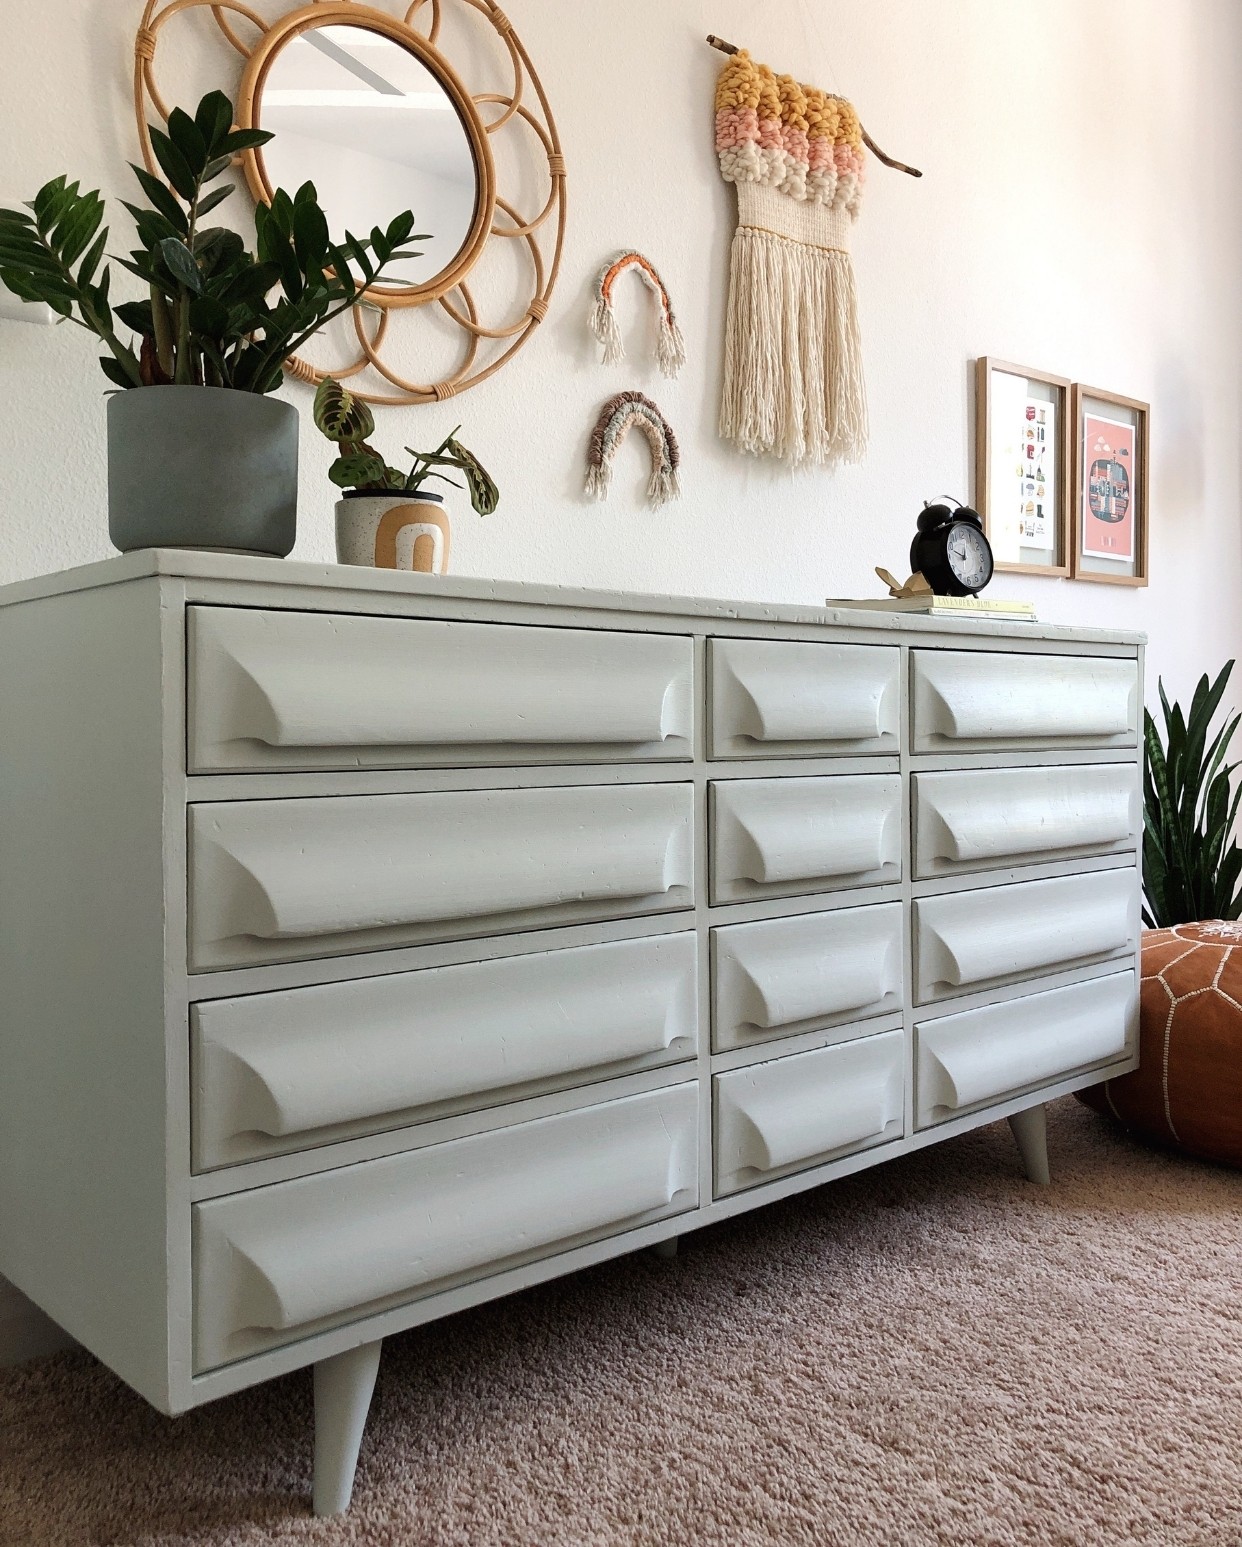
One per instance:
(950,551)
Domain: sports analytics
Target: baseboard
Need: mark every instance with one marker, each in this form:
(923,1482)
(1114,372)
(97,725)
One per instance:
(25,1332)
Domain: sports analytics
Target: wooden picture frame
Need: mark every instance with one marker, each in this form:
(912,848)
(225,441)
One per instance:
(1094,411)
(1018,411)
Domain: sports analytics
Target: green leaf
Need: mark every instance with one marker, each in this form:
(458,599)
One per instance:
(208,317)
(243,139)
(90,262)
(206,205)
(179,261)
(173,164)
(188,139)
(214,118)
(1192,863)
(339,415)
(310,236)
(162,198)
(136,315)
(357,470)
(113,370)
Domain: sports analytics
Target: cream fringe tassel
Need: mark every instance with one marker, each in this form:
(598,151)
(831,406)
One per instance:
(793,378)
(670,346)
(606,329)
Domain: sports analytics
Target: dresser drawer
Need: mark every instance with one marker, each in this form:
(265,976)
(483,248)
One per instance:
(780,976)
(980,818)
(272,690)
(976,702)
(966,1061)
(780,837)
(277,880)
(285,1071)
(793,1113)
(792,698)
(280,1262)
(969,940)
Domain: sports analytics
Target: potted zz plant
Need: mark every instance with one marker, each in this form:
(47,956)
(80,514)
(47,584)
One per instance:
(384,509)
(198,454)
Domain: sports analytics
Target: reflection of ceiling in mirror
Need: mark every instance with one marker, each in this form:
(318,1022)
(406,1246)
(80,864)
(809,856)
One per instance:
(369,124)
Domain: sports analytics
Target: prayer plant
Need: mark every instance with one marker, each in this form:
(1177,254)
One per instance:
(1191,861)
(348,421)
(214,314)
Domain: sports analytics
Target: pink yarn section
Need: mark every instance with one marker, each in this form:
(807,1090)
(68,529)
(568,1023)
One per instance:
(740,131)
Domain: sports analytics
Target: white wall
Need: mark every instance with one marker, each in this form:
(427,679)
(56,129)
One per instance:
(1022,113)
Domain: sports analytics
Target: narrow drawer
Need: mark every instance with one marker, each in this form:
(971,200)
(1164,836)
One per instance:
(278,880)
(975,702)
(779,837)
(980,818)
(788,698)
(271,690)
(280,1262)
(793,1113)
(966,1061)
(969,940)
(285,1071)
(781,976)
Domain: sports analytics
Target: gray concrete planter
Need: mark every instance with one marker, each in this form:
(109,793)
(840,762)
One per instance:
(202,467)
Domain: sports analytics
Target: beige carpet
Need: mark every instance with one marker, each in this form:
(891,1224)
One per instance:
(931,1352)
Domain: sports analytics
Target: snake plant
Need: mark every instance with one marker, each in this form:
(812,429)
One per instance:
(348,421)
(1191,860)
(214,314)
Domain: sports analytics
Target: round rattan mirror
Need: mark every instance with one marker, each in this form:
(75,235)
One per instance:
(365,103)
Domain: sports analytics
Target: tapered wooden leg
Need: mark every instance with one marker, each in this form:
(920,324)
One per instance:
(1030,1129)
(666,1248)
(343,1388)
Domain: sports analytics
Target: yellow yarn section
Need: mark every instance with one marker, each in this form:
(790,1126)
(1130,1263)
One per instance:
(744,84)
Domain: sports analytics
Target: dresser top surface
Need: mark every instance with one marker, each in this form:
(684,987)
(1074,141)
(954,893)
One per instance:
(291,576)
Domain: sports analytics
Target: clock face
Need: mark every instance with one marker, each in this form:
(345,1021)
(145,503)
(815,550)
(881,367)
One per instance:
(968,555)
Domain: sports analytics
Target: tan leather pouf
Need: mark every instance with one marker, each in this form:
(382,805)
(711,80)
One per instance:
(1187,1090)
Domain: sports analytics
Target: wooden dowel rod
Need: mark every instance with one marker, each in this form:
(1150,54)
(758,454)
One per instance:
(897,166)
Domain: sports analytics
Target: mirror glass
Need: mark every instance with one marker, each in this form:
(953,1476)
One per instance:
(374,130)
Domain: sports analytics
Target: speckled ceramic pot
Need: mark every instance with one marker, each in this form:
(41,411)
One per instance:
(393,531)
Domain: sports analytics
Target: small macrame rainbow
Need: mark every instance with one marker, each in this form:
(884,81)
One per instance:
(670,346)
(619,416)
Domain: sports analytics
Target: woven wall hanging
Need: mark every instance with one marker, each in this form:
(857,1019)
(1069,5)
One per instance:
(793,376)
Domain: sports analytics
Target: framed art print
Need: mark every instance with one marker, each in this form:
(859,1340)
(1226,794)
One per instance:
(1111,484)
(1022,466)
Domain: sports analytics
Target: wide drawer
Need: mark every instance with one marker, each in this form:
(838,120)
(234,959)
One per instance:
(782,698)
(969,940)
(270,690)
(979,818)
(793,1113)
(285,1071)
(966,1061)
(779,837)
(281,1262)
(966,701)
(780,976)
(277,880)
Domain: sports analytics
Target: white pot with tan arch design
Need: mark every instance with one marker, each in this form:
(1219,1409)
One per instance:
(393,531)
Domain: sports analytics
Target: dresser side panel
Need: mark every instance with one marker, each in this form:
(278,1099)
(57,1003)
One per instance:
(83,1169)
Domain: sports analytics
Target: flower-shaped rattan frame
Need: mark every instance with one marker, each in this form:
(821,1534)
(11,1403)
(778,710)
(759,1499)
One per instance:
(486,348)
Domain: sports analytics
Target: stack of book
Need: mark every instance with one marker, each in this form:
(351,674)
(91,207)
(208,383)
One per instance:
(1002,608)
